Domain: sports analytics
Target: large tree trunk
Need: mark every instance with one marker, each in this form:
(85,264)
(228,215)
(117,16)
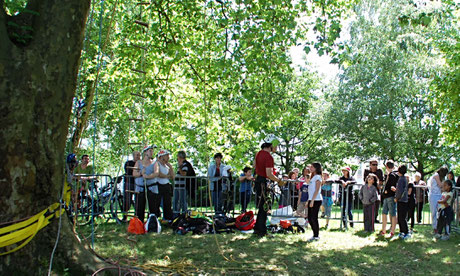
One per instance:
(37,83)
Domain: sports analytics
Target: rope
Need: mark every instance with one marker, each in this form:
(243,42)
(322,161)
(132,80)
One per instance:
(59,227)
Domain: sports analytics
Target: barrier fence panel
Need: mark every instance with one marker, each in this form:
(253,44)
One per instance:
(225,196)
(456,206)
(93,196)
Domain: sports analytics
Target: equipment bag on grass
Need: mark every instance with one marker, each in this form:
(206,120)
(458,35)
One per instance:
(245,221)
(136,226)
(152,224)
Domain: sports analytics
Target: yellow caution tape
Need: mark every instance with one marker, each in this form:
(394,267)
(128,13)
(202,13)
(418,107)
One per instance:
(26,230)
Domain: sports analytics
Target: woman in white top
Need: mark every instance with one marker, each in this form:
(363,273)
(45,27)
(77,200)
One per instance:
(435,184)
(162,173)
(315,199)
(143,168)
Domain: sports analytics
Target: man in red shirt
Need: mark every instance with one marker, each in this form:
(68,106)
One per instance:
(264,165)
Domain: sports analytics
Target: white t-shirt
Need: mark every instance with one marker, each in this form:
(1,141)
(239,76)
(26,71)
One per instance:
(312,188)
(164,170)
(434,188)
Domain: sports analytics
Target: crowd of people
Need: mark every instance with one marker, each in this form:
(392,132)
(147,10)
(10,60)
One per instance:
(154,184)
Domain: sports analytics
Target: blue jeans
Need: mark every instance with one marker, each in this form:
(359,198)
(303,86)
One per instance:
(180,201)
(217,201)
(434,198)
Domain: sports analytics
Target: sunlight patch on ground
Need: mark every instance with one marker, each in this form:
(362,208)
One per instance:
(432,251)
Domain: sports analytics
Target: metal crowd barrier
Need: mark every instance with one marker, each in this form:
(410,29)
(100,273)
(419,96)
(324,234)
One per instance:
(195,194)
(456,206)
(94,195)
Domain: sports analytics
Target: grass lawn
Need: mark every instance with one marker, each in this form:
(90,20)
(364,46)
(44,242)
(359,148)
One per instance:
(338,252)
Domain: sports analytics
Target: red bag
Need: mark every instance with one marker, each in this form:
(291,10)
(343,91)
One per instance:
(136,226)
(285,224)
(245,221)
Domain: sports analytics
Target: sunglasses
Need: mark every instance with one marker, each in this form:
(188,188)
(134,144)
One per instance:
(373,164)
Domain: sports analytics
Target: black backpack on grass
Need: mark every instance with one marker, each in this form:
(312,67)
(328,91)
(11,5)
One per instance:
(152,224)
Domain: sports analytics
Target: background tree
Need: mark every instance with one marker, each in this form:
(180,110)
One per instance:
(212,74)
(384,105)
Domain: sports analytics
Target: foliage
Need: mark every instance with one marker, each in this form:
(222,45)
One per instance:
(14,7)
(211,74)
(384,105)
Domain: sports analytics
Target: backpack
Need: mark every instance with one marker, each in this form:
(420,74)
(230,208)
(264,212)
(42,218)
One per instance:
(152,224)
(245,221)
(136,226)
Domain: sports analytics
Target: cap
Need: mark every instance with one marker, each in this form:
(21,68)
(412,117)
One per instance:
(346,169)
(146,148)
(71,158)
(162,153)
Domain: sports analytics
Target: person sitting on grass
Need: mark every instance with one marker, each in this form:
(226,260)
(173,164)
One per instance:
(302,203)
(246,179)
(326,193)
(445,211)
(368,196)
(401,199)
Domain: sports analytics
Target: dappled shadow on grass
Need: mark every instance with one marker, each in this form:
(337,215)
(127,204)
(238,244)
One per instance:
(349,253)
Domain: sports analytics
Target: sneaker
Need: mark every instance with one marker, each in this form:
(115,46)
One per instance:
(407,236)
(445,237)
(313,239)
(391,235)
(323,215)
(401,235)
(381,233)
(377,221)
(437,236)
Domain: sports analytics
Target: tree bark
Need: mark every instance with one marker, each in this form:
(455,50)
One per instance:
(37,83)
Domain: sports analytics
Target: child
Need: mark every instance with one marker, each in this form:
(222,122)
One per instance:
(445,211)
(302,203)
(284,196)
(402,199)
(326,192)
(411,204)
(246,180)
(368,195)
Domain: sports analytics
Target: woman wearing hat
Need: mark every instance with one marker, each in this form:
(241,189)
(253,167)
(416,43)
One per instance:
(143,169)
(346,195)
(162,174)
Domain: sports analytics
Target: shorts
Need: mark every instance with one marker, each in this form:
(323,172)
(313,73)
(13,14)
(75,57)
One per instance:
(389,206)
(302,211)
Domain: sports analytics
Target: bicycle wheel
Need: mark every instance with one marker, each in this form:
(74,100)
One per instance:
(83,215)
(116,207)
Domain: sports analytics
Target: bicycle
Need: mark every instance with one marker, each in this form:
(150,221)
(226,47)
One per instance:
(95,201)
